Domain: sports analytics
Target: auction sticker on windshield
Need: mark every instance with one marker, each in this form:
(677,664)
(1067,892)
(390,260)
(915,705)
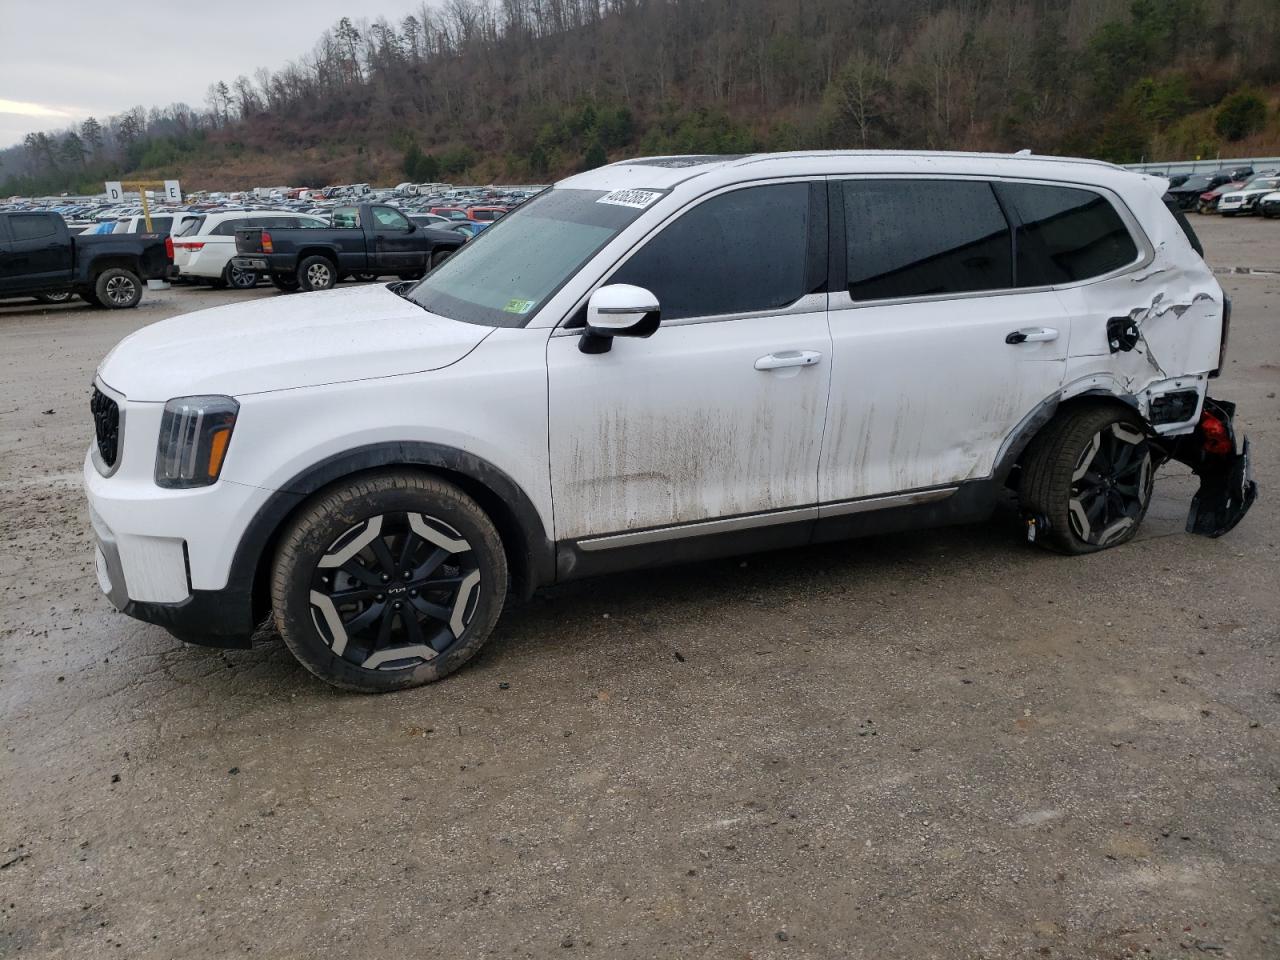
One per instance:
(630,198)
(518,306)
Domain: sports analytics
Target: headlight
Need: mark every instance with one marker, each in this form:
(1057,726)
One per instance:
(194,434)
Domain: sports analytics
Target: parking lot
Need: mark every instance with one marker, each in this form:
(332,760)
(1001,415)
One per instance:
(944,744)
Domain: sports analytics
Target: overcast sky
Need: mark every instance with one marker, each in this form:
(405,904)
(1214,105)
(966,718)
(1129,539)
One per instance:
(63,60)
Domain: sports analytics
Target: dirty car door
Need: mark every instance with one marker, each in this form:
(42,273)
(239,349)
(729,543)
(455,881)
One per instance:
(938,353)
(720,412)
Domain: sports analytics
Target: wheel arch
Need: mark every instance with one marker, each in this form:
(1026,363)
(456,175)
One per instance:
(1048,412)
(101,265)
(326,252)
(530,553)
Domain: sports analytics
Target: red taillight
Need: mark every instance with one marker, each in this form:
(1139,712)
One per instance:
(267,246)
(188,245)
(1215,436)
(168,247)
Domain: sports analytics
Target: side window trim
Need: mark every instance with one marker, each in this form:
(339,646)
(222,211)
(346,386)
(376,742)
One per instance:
(817,259)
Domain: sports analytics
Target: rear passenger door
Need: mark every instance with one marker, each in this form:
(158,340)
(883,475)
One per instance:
(938,354)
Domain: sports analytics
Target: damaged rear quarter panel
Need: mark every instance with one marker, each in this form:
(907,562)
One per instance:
(1174,302)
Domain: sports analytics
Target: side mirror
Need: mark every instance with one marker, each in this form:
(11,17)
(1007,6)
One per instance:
(411,228)
(618,310)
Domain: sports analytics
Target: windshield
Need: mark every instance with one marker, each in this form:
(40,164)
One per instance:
(507,272)
(1263,183)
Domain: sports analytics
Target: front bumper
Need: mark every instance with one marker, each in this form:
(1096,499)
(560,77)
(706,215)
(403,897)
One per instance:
(211,618)
(169,557)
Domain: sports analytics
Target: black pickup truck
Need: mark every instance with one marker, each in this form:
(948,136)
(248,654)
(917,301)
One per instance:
(40,258)
(366,240)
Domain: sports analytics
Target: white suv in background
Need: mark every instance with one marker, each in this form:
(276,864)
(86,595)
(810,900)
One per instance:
(206,245)
(657,361)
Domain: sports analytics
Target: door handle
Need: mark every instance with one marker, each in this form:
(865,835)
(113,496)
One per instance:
(788,358)
(1032,335)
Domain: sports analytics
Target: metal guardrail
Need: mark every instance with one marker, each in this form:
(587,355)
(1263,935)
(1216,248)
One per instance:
(1205,166)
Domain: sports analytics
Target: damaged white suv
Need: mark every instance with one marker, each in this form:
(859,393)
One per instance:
(657,361)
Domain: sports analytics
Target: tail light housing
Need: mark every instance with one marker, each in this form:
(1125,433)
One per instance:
(267,245)
(1215,435)
(1226,332)
(168,247)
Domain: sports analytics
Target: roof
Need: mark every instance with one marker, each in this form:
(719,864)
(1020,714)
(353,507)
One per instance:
(668,171)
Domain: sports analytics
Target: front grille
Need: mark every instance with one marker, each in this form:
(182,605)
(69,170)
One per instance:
(106,426)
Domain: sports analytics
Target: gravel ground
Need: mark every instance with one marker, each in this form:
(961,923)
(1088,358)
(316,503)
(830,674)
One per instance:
(944,744)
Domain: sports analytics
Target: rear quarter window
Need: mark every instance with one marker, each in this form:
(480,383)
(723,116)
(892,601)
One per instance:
(1066,234)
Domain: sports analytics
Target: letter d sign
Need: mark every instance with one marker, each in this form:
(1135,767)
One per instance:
(115,192)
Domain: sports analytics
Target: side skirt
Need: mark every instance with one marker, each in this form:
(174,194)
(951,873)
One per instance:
(968,502)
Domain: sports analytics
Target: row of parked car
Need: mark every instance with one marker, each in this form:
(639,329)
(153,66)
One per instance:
(1230,192)
(202,231)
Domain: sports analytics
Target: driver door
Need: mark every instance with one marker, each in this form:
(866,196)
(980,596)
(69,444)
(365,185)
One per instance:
(397,245)
(714,423)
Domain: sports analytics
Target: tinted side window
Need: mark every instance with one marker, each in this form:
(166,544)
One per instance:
(915,238)
(739,252)
(346,217)
(389,219)
(228,228)
(1066,234)
(31,227)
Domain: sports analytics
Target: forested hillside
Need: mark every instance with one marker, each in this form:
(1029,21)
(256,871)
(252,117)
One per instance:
(527,90)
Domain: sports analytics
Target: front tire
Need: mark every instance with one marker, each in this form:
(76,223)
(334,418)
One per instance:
(388,581)
(118,288)
(1090,474)
(317,273)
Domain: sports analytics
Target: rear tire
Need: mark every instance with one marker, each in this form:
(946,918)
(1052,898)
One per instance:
(284,282)
(118,288)
(317,273)
(1090,474)
(440,257)
(388,581)
(239,279)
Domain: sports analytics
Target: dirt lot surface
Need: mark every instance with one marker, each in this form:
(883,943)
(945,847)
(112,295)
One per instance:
(947,744)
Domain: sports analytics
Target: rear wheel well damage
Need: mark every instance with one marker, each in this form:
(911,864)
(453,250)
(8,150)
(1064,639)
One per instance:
(1211,450)
(1043,420)
(530,554)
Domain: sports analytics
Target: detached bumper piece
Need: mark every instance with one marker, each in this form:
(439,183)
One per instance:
(1227,488)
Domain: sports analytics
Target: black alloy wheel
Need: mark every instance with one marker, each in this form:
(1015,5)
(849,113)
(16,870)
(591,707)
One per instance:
(1111,484)
(395,591)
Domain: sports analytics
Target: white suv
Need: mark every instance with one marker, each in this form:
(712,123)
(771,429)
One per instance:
(203,250)
(657,361)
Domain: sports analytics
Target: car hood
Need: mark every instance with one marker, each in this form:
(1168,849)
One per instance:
(286,342)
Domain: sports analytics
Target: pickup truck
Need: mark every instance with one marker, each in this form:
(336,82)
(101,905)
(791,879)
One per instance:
(40,258)
(366,240)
